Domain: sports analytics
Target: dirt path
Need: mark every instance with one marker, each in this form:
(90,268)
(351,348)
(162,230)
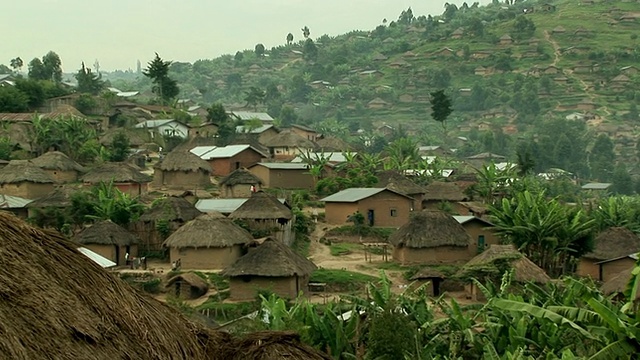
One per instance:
(556,48)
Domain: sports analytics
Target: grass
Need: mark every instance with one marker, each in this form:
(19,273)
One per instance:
(339,249)
(301,245)
(223,312)
(365,231)
(341,280)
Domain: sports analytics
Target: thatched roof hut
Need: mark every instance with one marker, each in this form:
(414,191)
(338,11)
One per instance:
(60,197)
(192,286)
(89,314)
(613,243)
(184,161)
(443,191)
(333,144)
(428,273)
(105,233)
(618,284)
(397,182)
(195,142)
(271,259)
(208,230)
(269,345)
(241,177)
(262,206)
(56,160)
(430,229)
(18,171)
(496,259)
(289,139)
(118,172)
(135,139)
(171,208)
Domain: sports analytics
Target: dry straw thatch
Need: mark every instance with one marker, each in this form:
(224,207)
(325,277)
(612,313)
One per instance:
(289,139)
(195,142)
(397,182)
(618,284)
(117,172)
(428,273)
(105,233)
(135,139)
(57,303)
(333,144)
(207,231)
(193,280)
(444,191)
(430,229)
(60,197)
(272,259)
(178,160)
(56,160)
(171,208)
(269,345)
(18,171)
(262,206)
(240,176)
(498,258)
(613,243)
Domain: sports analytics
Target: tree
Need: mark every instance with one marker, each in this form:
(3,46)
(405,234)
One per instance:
(602,158)
(287,116)
(88,82)
(523,27)
(119,147)
(158,71)
(104,202)
(310,51)
(6,148)
(37,70)
(254,96)
(17,63)
(622,181)
(441,109)
(239,56)
(259,50)
(289,38)
(217,114)
(52,67)
(13,100)
(306,32)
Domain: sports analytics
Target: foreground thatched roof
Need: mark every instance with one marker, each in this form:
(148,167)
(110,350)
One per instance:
(56,160)
(498,258)
(23,171)
(444,191)
(240,176)
(105,233)
(207,231)
(618,284)
(58,304)
(429,229)
(269,345)
(289,139)
(262,206)
(116,171)
(171,208)
(272,259)
(178,160)
(397,182)
(59,197)
(193,280)
(613,243)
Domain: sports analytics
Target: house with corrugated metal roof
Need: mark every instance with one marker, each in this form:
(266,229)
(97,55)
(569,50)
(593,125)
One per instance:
(283,175)
(15,205)
(162,127)
(248,115)
(226,159)
(380,207)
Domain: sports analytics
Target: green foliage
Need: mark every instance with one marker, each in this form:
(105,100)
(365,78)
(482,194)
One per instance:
(165,87)
(259,50)
(51,217)
(339,249)
(119,147)
(254,97)
(88,82)
(441,108)
(13,100)
(366,231)
(49,68)
(340,280)
(6,148)
(86,104)
(64,134)
(310,50)
(104,202)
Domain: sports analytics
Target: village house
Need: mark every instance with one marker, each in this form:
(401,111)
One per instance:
(280,175)
(629,70)
(586,105)
(506,39)
(164,127)
(611,244)
(617,285)
(492,263)
(441,194)
(187,286)
(482,232)
(59,166)
(226,159)
(23,179)
(481,54)
(206,129)
(431,237)
(380,207)
(271,266)
(582,68)
(165,216)
(239,184)
(473,208)
(598,187)
(109,240)
(332,144)
(378,57)
(126,177)
(136,140)
(182,170)
(208,242)
(248,116)
(265,215)
(287,145)
(225,206)
(558,30)
(377,103)
(550,70)
(485,158)
(620,82)
(399,183)
(305,132)
(259,134)
(480,71)
(612,267)
(15,205)
(432,276)
(457,34)
(59,198)
(398,64)
(444,52)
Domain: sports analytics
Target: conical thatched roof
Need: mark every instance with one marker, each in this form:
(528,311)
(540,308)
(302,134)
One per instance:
(58,304)
(135,139)
(261,206)
(290,139)
(105,233)
(207,231)
(397,182)
(498,258)
(56,160)
(178,160)
(59,197)
(195,142)
(23,170)
(117,172)
(443,191)
(171,208)
(333,144)
(193,280)
(428,273)
(272,259)
(269,345)
(241,176)
(618,284)
(429,229)
(613,243)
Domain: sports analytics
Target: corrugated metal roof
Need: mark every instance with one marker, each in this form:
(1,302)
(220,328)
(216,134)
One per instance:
(224,206)
(215,152)
(246,115)
(97,258)
(154,123)
(126,94)
(13,202)
(335,157)
(463,218)
(284,166)
(596,186)
(259,130)
(353,194)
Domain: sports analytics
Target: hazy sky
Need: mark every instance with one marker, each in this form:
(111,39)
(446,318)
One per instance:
(118,32)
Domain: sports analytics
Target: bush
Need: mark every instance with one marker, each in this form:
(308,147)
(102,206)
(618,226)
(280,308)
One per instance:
(342,280)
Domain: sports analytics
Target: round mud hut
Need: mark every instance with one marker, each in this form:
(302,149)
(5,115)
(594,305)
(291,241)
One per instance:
(59,166)
(23,179)
(187,286)
(271,266)
(240,184)
(612,243)
(182,170)
(208,242)
(126,177)
(431,237)
(109,240)
(266,216)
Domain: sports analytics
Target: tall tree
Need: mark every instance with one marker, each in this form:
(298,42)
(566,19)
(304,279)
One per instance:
(119,147)
(306,32)
(89,82)
(602,158)
(17,63)
(289,38)
(158,71)
(217,114)
(310,51)
(441,109)
(37,70)
(254,96)
(259,50)
(52,67)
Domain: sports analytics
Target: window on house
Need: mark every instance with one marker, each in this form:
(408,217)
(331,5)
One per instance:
(394,212)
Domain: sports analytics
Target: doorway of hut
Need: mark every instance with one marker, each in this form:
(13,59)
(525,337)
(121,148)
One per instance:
(371,217)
